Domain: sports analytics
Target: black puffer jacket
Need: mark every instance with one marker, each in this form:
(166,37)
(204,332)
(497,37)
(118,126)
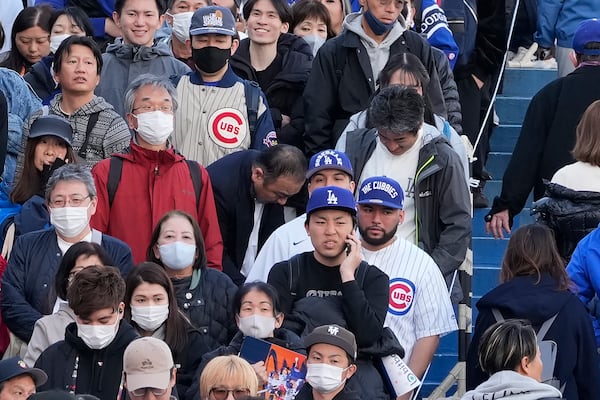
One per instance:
(98,371)
(284,93)
(283,337)
(40,79)
(569,213)
(208,305)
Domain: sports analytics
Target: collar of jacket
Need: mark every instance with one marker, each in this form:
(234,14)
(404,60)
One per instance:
(228,80)
(137,53)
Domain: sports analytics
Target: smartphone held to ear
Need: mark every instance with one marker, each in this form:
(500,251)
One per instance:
(348,249)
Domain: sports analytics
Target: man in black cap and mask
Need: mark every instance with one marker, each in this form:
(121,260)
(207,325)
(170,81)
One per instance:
(222,113)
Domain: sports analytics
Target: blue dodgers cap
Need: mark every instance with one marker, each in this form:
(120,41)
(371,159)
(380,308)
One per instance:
(587,31)
(52,125)
(329,159)
(331,197)
(213,19)
(12,367)
(381,191)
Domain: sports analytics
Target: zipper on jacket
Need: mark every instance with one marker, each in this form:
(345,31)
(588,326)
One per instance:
(429,161)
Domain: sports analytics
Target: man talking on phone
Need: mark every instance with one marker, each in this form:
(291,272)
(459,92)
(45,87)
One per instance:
(333,284)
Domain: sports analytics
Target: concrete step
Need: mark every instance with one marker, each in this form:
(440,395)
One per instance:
(505,137)
(526,81)
(511,109)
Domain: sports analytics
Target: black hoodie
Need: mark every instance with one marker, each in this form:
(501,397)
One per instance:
(576,365)
(284,92)
(98,371)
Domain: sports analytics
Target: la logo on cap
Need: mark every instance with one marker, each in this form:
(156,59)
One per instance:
(331,198)
(325,158)
(213,19)
(333,330)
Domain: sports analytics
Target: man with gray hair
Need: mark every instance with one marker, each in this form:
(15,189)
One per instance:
(150,178)
(426,166)
(36,256)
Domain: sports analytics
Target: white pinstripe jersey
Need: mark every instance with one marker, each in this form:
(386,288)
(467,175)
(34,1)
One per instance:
(211,121)
(419,301)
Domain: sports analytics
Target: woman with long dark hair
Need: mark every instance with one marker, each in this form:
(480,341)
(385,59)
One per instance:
(29,39)
(151,308)
(535,286)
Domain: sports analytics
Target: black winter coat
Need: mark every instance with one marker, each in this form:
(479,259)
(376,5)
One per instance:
(284,93)
(341,84)
(41,81)
(98,371)
(208,306)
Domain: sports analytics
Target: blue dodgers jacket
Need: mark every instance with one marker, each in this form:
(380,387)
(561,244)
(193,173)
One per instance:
(558,20)
(28,282)
(584,271)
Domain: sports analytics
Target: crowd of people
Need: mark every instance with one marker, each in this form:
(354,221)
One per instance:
(180,178)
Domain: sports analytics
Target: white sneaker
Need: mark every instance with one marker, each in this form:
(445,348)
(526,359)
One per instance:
(527,57)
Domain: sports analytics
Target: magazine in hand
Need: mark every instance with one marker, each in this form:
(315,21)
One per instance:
(286,368)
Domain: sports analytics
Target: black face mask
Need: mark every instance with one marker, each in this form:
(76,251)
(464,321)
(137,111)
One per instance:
(210,59)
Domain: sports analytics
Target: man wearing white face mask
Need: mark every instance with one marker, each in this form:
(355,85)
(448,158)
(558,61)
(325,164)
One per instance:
(90,359)
(150,178)
(330,363)
(177,28)
(71,200)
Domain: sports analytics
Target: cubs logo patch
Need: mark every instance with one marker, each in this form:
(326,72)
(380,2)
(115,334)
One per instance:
(402,294)
(227,128)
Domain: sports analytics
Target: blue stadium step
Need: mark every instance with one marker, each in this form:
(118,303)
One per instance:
(504,138)
(478,223)
(497,163)
(511,109)
(526,81)
(493,188)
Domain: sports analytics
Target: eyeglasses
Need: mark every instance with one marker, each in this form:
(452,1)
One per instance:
(73,201)
(222,393)
(141,392)
(145,109)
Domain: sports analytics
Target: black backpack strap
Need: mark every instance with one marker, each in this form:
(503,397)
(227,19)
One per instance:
(88,130)
(196,175)
(252,93)
(294,271)
(114,178)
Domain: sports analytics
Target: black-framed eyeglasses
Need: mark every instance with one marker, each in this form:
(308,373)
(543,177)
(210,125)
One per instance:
(222,393)
(141,392)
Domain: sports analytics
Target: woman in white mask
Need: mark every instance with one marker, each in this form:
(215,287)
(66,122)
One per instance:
(257,314)
(330,363)
(151,308)
(203,294)
(51,328)
(311,21)
(66,22)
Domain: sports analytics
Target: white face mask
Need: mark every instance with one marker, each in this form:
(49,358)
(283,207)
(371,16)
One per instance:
(177,255)
(181,25)
(324,378)
(69,221)
(257,326)
(150,318)
(154,127)
(56,40)
(97,337)
(315,42)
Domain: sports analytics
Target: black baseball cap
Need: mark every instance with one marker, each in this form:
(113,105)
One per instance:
(52,125)
(334,335)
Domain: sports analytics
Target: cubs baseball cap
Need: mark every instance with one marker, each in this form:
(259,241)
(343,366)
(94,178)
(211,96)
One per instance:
(52,125)
(147,362)
(334,335)
(329,159)
(213,19)
(381,191)
(587,31)
(331,197)
(14,366)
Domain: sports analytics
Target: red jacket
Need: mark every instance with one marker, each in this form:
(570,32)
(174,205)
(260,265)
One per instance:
(153,183)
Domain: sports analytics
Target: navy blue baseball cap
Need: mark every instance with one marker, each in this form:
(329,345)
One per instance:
(52,125)
(329,159)
(587,31)
(213,19)
(381,191)
(331,197)
(12,367)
